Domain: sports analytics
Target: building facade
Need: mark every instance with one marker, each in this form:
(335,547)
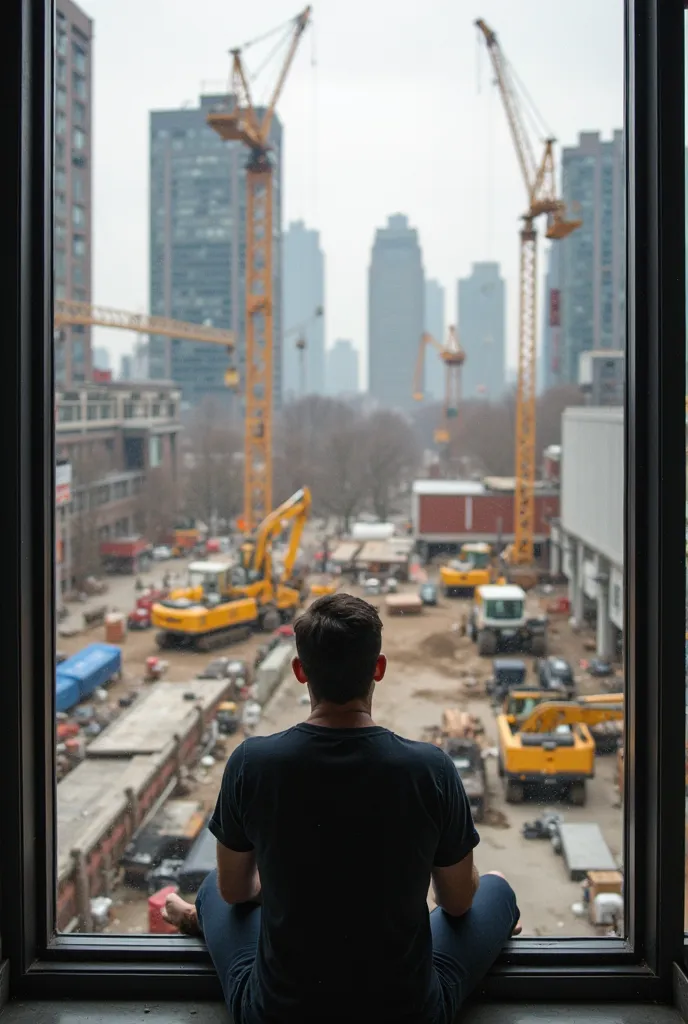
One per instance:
(481,319)
(72,196)
(198,246)
(550,353)
(342,369)
(396,312)
(434,325)
(591,268)
(303,278)
(121,444)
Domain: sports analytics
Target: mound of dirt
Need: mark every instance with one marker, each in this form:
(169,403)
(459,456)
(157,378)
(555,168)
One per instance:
(495,818)
(439,645)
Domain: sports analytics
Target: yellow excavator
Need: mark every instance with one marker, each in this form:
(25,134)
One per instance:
(545,743)
(226,600)
(475,567)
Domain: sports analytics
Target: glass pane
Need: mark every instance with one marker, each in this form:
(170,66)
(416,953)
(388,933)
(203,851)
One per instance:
(685,902)
(446,380)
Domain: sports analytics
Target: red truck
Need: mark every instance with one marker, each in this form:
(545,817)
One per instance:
(140,617)
(127,555)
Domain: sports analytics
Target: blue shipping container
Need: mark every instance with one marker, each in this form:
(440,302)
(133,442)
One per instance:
(66,693)
(86,671)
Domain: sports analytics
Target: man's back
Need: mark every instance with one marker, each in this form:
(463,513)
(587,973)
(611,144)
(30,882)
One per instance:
(346,825)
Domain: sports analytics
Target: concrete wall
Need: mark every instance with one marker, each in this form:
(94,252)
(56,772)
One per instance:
(592,479)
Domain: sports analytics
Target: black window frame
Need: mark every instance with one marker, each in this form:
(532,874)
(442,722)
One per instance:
(106,967)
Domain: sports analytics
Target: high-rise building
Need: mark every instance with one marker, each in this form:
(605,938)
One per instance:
(303,278)
(126,367)
(396,302)
(342,369)
(72,200)
(198,245)
(434,325)
(592,260)
(481,325)
(550,354)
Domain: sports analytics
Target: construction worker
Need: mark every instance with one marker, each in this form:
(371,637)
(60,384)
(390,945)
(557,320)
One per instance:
(328,836)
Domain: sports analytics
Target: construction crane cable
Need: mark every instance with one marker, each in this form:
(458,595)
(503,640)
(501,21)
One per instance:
(283,26)
(528,105)
(270,56)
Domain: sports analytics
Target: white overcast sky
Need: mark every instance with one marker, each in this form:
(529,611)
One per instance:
(389,107)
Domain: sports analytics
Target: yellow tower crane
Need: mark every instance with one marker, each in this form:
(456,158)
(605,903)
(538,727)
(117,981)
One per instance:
(69,311)
(540,181)
(241,122)
(453,357)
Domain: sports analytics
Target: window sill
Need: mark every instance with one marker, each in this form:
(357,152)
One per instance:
(215,1013)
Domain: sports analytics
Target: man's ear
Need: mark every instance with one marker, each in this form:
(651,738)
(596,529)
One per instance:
(297,669)
(380,668)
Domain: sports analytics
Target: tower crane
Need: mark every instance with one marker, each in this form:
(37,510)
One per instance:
(540,182)
(453,357)
(240,121)
(71,312)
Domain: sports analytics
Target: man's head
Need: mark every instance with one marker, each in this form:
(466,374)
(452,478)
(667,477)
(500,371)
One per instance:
(338,642)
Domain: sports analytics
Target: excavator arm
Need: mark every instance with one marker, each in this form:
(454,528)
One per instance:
(550,714)
(296,507)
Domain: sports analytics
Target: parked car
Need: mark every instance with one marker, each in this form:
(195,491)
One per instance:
(428,594)
(600,667)
(556,674)
(162,553)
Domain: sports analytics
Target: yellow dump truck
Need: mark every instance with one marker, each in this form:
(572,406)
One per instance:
(473,568)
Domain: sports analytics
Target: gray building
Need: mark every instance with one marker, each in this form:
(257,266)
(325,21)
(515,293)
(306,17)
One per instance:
(303,278)
(396,300)
(434,325)
(72,200)
(550,354)
(592,260)
(100,358)
(586,543)
(342,369)
(481,325)
(198,245)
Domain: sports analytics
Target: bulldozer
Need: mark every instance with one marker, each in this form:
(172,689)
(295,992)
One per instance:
(226,600)
(545,743)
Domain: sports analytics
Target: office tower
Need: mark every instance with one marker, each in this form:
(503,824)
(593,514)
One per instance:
(592,269)
(126,367)
(342,369)
(72,199)
(303,277)
(550,351)
(434,325)
(481,325)
(396,301)
(197,247)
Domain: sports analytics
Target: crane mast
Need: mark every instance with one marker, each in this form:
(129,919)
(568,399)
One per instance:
(453,356)
(241,122)
(540,181)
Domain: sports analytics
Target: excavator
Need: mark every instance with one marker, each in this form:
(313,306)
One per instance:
(226,600)
(545,743)
(475,567)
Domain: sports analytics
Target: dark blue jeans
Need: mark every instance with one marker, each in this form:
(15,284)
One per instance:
(463,948)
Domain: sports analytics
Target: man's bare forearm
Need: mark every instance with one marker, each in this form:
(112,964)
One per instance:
(454,904)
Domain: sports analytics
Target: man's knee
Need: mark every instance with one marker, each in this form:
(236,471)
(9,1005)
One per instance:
(208,885)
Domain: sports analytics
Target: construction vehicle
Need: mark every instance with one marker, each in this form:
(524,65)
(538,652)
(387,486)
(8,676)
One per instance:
(549,743)
(453,357)
(237,120)
(474,568)
(225,600)
(540,181)
(499,621)
(508,674)
(460,736)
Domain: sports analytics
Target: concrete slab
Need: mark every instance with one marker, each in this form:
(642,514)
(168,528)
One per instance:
(151,723)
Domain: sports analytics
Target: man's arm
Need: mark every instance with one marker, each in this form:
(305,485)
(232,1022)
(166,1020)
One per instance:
(455,878)
(237,875)
(454,887)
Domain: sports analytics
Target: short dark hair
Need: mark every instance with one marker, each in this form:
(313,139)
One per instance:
(338,641)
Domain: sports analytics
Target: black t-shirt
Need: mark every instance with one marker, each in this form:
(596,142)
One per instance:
(347,825)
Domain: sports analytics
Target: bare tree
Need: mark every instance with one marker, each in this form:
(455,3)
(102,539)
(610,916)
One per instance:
(157,507)
(390,453)
(83,520)
(212,475)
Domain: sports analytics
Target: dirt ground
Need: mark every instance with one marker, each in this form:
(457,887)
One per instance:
(431,666)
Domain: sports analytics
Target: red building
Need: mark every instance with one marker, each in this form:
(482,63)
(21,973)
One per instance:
(446,513)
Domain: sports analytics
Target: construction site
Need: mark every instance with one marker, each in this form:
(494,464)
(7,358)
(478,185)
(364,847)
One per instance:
(501,601)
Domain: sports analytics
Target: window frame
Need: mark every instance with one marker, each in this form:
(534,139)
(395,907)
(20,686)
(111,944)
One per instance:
(105,967)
